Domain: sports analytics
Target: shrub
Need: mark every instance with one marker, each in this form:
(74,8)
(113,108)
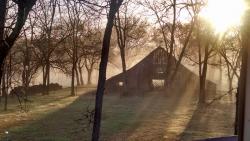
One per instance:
(35,89)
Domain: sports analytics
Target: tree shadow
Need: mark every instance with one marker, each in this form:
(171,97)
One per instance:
(120,114)
(58,125)
(160,115)
(211,121)
(154,116)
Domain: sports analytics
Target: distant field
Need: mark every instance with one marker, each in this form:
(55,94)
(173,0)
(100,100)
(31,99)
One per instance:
(155,116)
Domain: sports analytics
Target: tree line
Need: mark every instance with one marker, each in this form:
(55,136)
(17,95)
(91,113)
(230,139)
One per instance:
(69,35)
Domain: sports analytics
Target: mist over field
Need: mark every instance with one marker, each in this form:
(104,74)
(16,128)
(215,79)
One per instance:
(124,70)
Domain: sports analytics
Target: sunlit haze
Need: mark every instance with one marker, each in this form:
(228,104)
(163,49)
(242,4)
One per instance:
(124,70)
(223,14)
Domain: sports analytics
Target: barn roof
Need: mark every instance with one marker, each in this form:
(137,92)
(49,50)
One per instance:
(151,67)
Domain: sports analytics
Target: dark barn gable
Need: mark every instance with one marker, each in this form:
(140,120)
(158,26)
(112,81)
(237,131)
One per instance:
(149,73)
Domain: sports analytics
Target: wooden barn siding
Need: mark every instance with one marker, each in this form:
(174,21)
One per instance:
(139,76)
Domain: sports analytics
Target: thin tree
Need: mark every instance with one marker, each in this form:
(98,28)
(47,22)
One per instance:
(230,51)
(74,10)
(91,58)
(167,14)
(114,7)
(46,17)
(129,28)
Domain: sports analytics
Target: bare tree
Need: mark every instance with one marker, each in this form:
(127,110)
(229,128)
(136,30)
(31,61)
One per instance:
(8,74)
(175,34)
(230,51)
(128,28)
(7,41)
(91,58)
(203,45)
(194,9)
(113,8)
(46,19)
(167,25)
(29,63)
(50,34)
(74,10)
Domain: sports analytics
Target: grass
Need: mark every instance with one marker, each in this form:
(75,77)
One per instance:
(154,116)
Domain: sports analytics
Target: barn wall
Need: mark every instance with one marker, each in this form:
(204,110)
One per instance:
(140,76)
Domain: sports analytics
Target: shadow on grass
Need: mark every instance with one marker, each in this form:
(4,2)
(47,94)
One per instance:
(212,121)
(158,114)
(148,117)
(59,125)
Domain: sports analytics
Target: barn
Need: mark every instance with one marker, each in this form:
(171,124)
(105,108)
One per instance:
(150,74)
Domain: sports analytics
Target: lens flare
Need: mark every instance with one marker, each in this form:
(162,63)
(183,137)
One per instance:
(223,14)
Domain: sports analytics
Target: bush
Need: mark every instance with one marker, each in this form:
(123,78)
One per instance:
(35,89)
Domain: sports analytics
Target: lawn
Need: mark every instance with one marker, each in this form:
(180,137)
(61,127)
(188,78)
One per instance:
(153,116)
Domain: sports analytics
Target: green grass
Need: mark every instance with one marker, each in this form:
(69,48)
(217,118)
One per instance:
(53,117)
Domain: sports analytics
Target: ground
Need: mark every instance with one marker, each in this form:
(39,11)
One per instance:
(153,116)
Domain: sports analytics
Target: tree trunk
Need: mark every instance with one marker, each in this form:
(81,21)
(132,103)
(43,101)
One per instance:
(242,85)
(6,99)
(172,41)
(121,39)
(0,95)
(236,121)
(183,50)
(114,6)
(8,80)
(230,86)
(73,73)
(221,67)
(89,76)
(202,91)
(2,58)
(200,63)
(3,54)
(73,82)
(44,80)
(77,77)
(48,78)
(202,96)
(4,91)
(81,78)
(124,71)
(3,6)
(4,50)
(230,80)
(242,89)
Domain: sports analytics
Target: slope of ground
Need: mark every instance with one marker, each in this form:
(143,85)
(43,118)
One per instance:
(155,116)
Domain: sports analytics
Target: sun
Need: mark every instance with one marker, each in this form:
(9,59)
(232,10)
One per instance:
(223,14)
